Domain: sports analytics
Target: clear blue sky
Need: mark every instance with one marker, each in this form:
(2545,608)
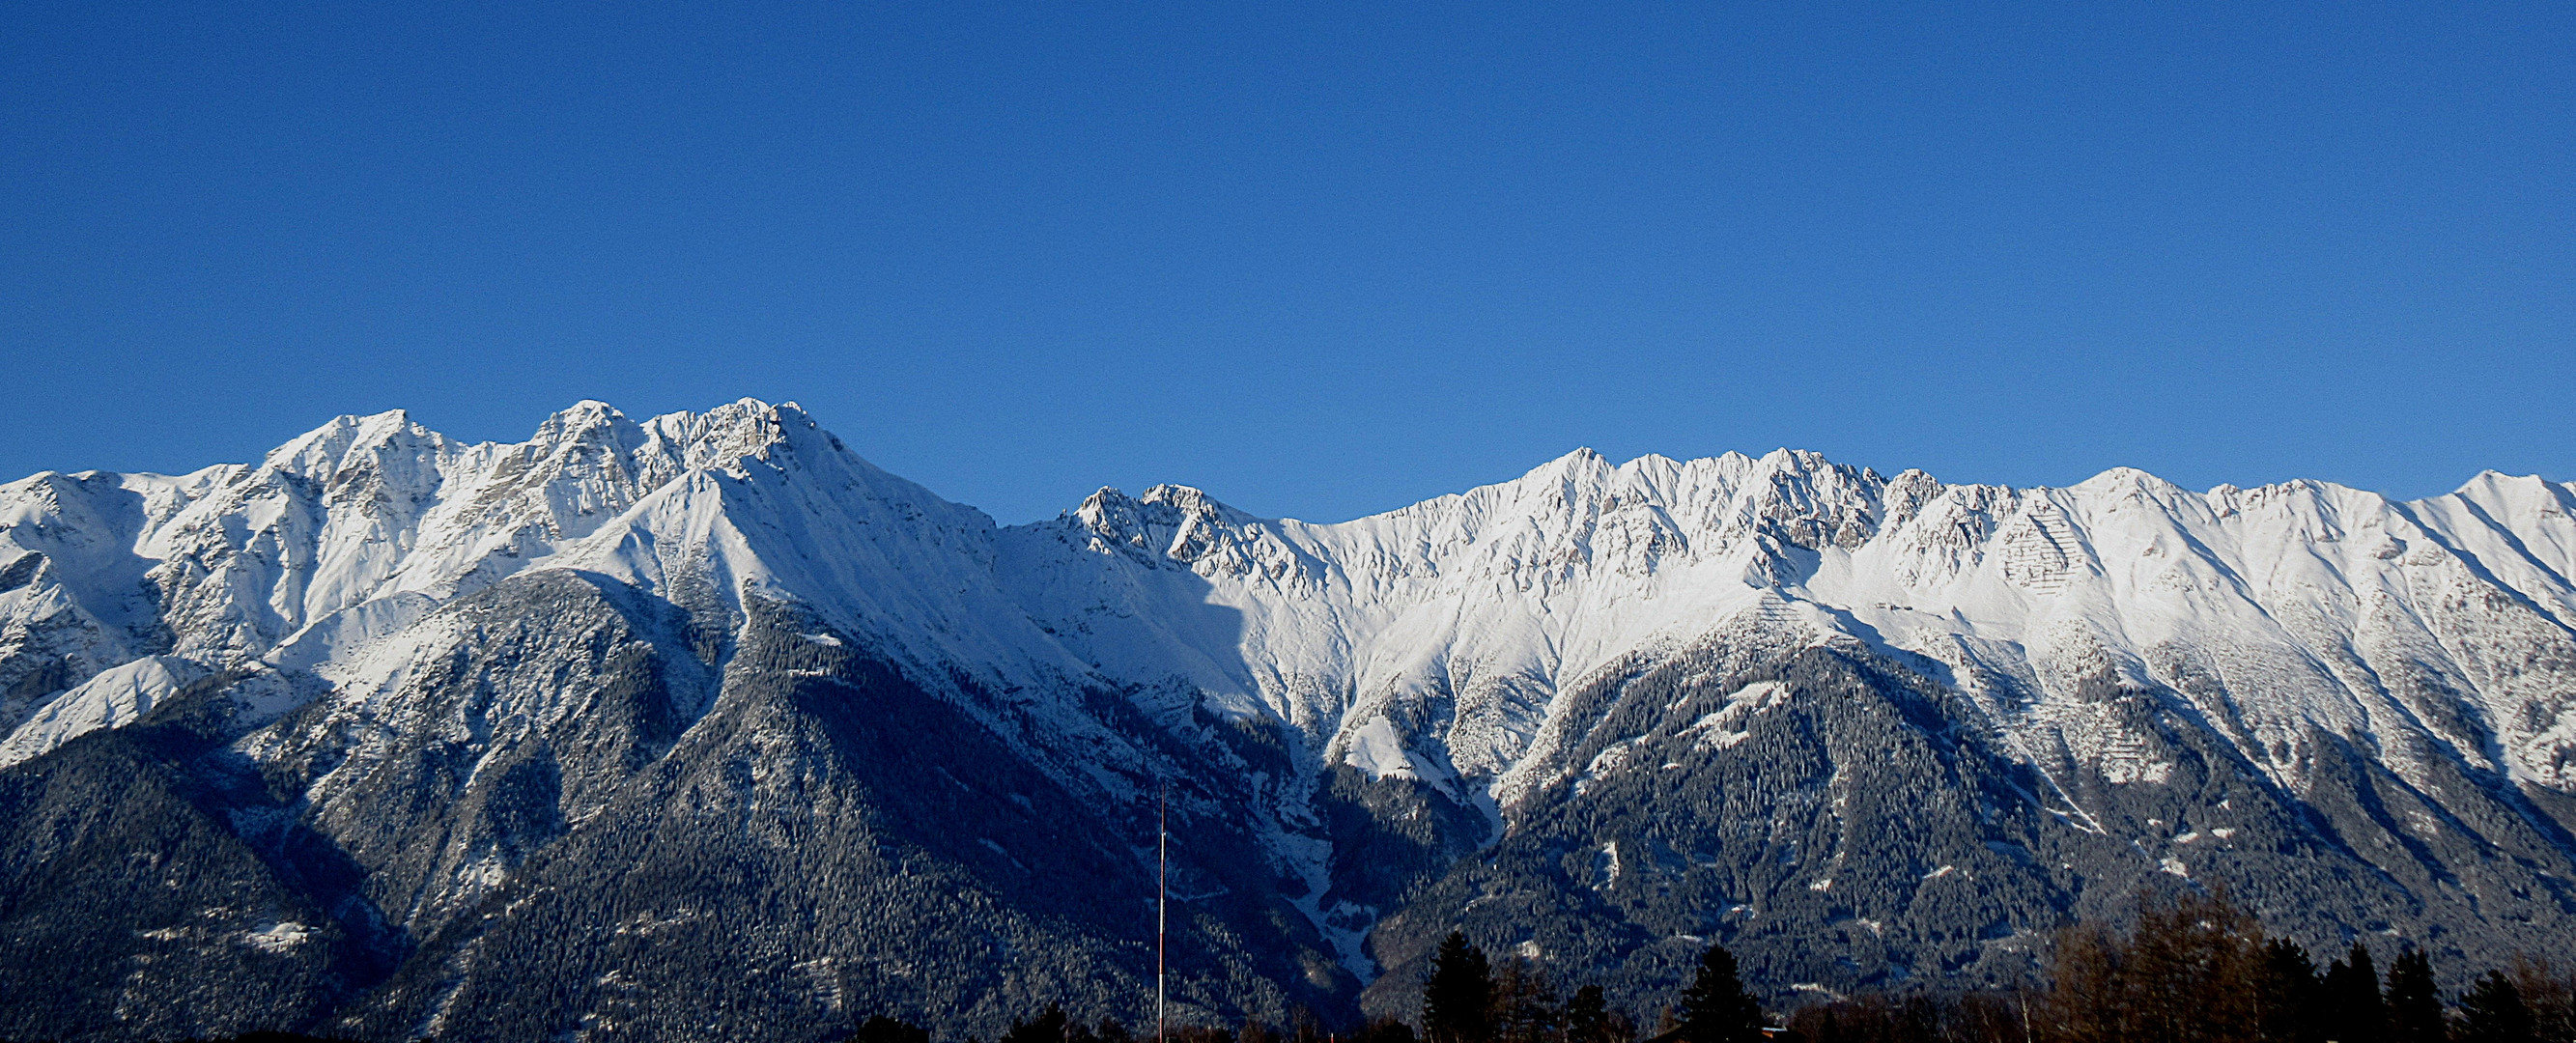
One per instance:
(1320,260)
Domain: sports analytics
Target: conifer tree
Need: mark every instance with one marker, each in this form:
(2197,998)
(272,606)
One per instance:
(1048,1027)
(2494,1012)
(2353,1008)
(1716,1009)
(1458,997)
(2286,995)
(883,1029)
(2414,1002)
(1587,1017)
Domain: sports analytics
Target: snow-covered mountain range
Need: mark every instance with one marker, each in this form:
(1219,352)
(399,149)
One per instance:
(1876,730)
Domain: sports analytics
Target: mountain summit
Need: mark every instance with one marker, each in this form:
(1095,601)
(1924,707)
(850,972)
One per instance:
(703,725)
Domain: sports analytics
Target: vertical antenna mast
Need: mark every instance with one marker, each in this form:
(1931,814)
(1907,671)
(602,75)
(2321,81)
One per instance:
(1162,895)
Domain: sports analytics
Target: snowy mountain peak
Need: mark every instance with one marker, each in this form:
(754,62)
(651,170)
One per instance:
(1582,464)
(1435,638)
(1880,731)
(1522,588)
(345,534)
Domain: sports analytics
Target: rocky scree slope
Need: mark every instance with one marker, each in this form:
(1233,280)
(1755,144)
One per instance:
(705,725)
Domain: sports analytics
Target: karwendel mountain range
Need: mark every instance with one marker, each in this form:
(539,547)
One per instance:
(704,727)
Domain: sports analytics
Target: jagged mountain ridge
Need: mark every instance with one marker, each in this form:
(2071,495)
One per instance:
(1529,586)
(1393,717)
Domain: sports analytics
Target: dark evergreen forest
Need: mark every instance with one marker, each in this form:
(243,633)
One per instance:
(2194,969)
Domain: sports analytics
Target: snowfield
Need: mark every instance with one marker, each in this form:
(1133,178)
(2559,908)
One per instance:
(1474,660)
(1429,641)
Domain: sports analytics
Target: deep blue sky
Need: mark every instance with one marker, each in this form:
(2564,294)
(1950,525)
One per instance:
(1319,260)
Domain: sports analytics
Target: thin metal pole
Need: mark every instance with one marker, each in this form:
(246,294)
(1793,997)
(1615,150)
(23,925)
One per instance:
(1162,896)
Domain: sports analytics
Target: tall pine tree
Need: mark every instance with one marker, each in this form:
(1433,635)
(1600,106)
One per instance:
(2494,1012)
(1458,997)
(1048,1027)
(2414,1002)
(2354,1012)
(884,1029)
(1716,1009)
(2286,1007)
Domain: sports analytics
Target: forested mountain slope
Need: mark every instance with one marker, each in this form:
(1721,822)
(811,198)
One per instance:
(704,725)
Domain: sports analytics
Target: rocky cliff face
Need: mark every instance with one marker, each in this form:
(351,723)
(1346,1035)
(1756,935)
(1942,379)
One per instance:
(703,725)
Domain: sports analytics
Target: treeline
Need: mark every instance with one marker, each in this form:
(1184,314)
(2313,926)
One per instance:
(2194,970)
(2198,969)
(1467,998)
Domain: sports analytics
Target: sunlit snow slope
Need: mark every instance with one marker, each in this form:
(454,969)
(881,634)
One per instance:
(2095,678)
(2271,609)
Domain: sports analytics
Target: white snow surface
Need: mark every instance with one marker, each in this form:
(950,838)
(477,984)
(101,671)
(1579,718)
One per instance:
(118,695)
(1430,641)
(2273,608)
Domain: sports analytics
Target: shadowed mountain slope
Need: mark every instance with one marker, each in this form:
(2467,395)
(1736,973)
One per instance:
(704,725)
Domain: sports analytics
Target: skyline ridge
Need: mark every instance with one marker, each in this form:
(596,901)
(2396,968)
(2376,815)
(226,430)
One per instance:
(406,415)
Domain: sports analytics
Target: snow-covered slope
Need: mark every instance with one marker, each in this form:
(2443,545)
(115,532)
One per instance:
(1368,703)
(1432,640)
(352,532)
(1428,640)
